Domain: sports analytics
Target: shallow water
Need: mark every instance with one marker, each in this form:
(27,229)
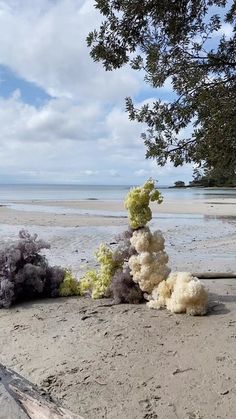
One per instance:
(104,192)
(187,218)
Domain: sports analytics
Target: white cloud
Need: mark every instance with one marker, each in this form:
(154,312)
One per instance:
(45,42)
(82,134)
(226,30)
(62,143)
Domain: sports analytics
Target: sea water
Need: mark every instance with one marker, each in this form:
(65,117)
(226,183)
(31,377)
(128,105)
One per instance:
(19,192)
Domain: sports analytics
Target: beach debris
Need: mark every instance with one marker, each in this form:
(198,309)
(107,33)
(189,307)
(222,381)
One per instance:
(214,275)
(179,371)
(25,400)
(223,393)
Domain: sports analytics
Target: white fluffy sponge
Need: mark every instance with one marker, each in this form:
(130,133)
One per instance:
(145,241)
(180,293)
(148,267)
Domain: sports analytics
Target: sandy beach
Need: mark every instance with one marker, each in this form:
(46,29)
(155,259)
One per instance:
(127,361)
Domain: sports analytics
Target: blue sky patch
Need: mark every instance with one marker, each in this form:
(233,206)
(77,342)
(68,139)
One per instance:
(30,92)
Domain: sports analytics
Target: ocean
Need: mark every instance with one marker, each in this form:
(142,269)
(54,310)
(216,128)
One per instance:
(19,192)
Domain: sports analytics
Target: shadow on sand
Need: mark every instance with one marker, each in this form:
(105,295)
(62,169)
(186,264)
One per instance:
(216,303)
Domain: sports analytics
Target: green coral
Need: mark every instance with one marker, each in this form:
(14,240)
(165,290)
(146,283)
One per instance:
(137,203)
(69,286)
(99,281)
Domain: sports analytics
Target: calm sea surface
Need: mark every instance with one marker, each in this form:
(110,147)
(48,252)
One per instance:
(106,192)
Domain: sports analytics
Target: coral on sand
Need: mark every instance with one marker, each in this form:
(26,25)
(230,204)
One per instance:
(137,203)
(125,248)
(149,266)
(25,273)
(69,286)
(99,281)
(124,289)
(143,240)
(180,293)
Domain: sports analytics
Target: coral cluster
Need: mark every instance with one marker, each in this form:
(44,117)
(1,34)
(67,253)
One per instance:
(148,267)
(124,289)
(98,282)
(180,293)
(137,203)
(139,262)
(135,270)
(69,286)
(25,273)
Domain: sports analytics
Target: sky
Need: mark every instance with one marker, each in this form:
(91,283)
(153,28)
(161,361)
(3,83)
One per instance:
(62,116)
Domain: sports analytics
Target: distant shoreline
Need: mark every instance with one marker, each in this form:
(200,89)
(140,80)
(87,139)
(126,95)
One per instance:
(200,187)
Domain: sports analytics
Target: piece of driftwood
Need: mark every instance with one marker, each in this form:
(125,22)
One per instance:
(32,403)
(214,275)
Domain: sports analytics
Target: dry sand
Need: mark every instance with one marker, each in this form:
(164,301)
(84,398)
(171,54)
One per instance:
(128,362)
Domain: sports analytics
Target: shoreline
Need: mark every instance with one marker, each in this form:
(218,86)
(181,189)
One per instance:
(99,212)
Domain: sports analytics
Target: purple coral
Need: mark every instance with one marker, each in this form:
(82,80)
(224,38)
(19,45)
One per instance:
(25,273)
(124,289)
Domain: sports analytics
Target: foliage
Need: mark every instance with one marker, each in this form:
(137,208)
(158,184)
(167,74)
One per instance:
(25,273)
(170,42)
(99,281)
(179,184)
(137,203)
(70,286)
(214,176)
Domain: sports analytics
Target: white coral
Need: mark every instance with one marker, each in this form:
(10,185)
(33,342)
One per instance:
(180,293)
(148,268)
(145,241)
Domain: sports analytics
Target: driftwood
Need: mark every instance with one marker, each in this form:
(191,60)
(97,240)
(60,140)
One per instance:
(28,399)
(214,275)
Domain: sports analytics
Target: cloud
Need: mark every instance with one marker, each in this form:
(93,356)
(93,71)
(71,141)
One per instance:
(61,142)
(81,133)
(226,29)
(45,42)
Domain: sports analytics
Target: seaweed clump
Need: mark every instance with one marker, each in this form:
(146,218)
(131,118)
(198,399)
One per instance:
(25,273)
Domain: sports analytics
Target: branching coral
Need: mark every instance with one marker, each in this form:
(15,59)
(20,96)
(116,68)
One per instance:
(69,286)
(25,273)
(99,281)
(124,289)
(180,293)
(124,249)
(143,240)
(137,203)
(148,267)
